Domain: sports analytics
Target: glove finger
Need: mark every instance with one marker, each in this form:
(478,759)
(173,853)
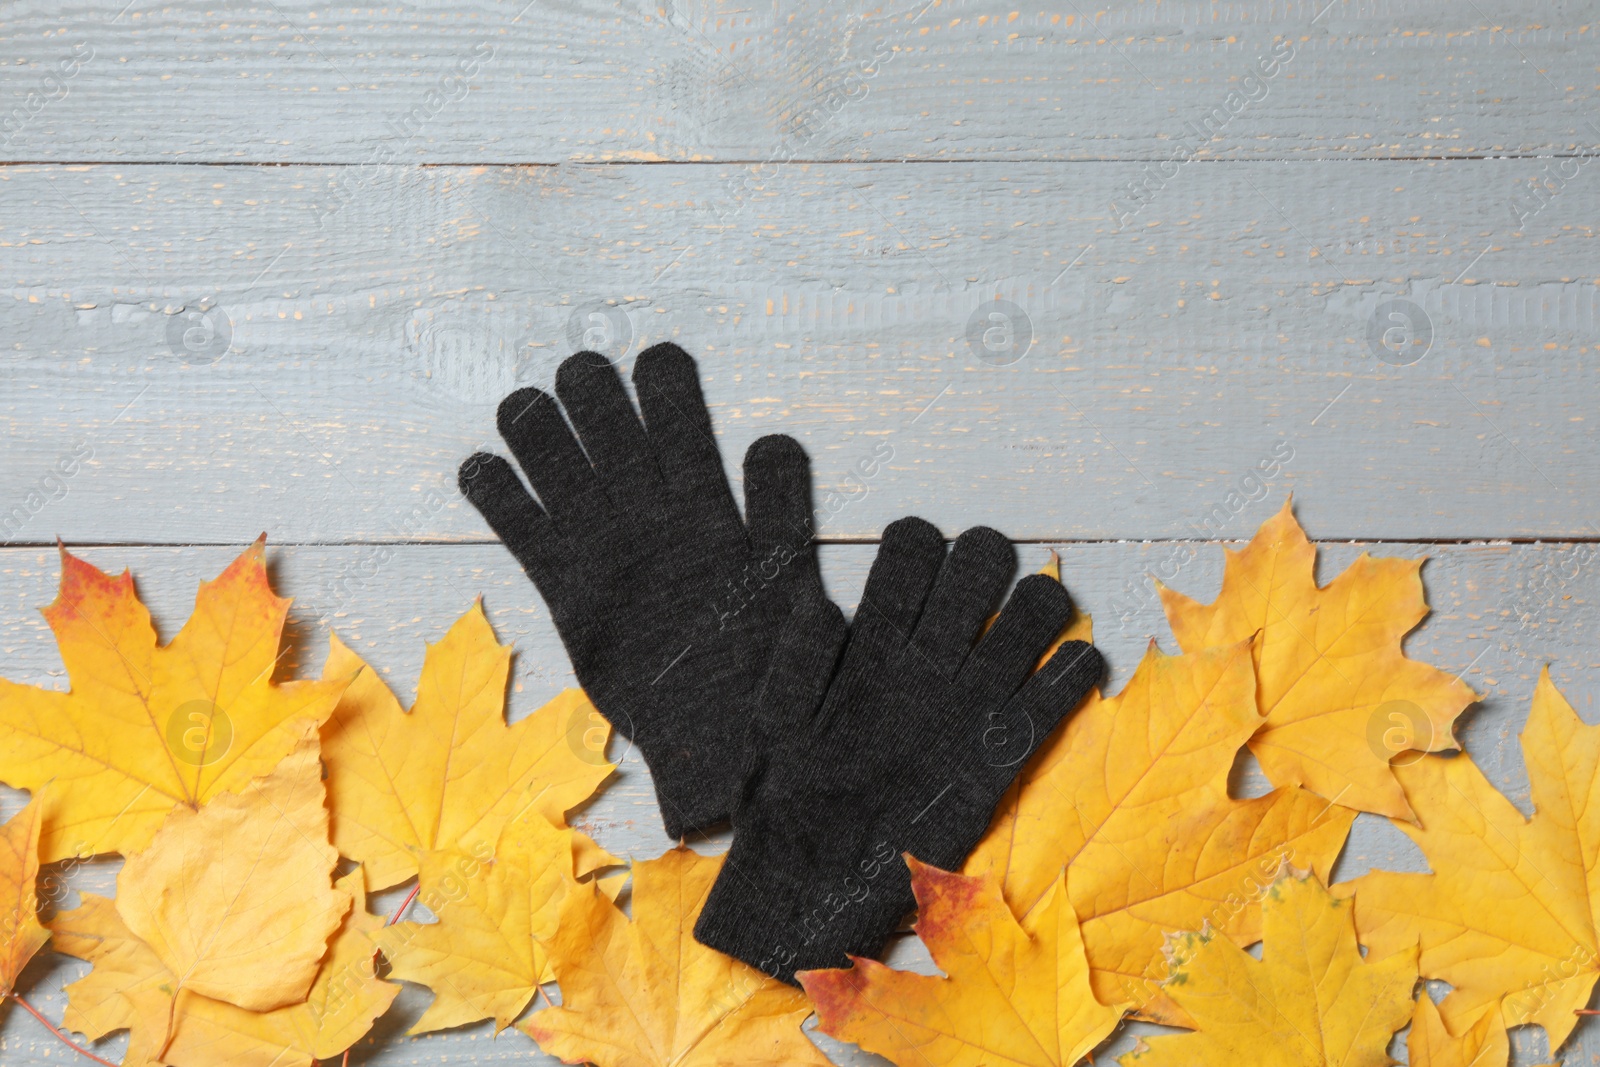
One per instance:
(777,504)
(609,431)
(1011,737)
(1035,613)
(679,427)
(491,486)
(904,570)
(549,455)
(801,669)
(971,580)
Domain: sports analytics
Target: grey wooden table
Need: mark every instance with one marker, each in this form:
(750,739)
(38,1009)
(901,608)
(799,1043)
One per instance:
(1075,270)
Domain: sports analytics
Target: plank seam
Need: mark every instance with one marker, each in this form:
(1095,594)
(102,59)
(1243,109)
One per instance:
(942,161)
(1468,542)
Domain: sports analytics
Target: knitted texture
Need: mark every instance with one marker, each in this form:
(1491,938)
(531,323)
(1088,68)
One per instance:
(669,603)
(906,748)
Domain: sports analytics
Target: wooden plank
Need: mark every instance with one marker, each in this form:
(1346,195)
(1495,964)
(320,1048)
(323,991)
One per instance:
(1500,612)
(481,82)
(1231,327)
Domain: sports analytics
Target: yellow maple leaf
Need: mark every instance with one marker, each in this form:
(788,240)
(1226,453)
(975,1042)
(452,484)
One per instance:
(21,934)
(647,994)
(487,954)
(237,899)
(1310,1001)
(1512,906)
(127,976)
(146,729)
(1334,685)
(1131,798)
(1015,995)
(1430,1044)
(448,775)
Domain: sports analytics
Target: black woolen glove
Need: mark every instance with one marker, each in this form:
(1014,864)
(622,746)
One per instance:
(906,748)
(668,603)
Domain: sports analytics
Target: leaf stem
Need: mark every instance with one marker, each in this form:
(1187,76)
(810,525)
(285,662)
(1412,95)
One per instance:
(406,903)
(401,910)
(63,1038)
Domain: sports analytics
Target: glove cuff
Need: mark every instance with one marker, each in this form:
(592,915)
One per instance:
(693,790)
(780,929)
(739,920)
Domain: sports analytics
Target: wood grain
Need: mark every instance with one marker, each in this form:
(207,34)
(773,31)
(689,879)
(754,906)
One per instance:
(270,266)
(696,80)
(1499,613)
(365,350)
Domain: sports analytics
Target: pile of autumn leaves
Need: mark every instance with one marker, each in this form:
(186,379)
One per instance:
(1118,876)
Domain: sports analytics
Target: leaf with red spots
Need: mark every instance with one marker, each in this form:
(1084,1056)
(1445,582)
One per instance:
(1015,994)
(147,728)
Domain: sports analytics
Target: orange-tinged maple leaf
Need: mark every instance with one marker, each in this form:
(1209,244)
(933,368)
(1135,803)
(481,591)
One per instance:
(647,994)
(1512,906)
(147,728)
(21,935)
(1131,798)
(1333,680)
(487,953)
(1015,995)
(127,977)
(448,775)
(1430,1044)
(1311,1000)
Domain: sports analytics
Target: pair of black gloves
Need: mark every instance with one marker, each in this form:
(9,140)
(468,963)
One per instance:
(707,640)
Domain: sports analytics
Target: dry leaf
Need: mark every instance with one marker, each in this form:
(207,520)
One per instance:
(1484,1044)
(147,729)
(487,953)
(343,1002)
(20,933)
(1016,994)
(129,987)
(447,775)
(1334,684)
(345,999)
(237,899)
(1511,907)
(1310,1001)
(1162,746)
(1131,797)
(647,994)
